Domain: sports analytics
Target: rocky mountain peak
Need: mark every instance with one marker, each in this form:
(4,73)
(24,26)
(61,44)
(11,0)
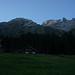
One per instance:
(64,19)
(49,22)
(65,25)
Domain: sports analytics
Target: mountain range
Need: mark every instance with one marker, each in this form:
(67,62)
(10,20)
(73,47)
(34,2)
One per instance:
(19,26)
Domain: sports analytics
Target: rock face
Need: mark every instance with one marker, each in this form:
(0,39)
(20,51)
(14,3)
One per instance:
(22,22)
(19,26)
(49,22)
(65,25)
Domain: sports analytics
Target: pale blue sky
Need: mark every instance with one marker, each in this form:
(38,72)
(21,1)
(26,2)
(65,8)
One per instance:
(37,10)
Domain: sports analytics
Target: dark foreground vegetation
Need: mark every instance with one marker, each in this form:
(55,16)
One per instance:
(44,43)
(21,64)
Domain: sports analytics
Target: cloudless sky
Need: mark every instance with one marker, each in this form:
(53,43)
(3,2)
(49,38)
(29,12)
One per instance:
(36,10)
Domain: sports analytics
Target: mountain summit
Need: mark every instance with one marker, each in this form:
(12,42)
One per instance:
(22,22)
(49,22)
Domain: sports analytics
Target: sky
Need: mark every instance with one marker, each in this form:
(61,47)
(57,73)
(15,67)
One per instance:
(36,10)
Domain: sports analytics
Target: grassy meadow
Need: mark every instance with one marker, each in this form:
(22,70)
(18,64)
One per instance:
(22,64)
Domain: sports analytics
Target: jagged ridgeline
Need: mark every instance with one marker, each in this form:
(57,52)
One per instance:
(66,25)
(52,37)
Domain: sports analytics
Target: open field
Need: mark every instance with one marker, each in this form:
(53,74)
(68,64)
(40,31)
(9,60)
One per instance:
(21,64)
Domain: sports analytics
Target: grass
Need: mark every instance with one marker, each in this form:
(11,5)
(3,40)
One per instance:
(21,64)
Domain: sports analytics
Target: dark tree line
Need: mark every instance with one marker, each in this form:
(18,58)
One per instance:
(44,43)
